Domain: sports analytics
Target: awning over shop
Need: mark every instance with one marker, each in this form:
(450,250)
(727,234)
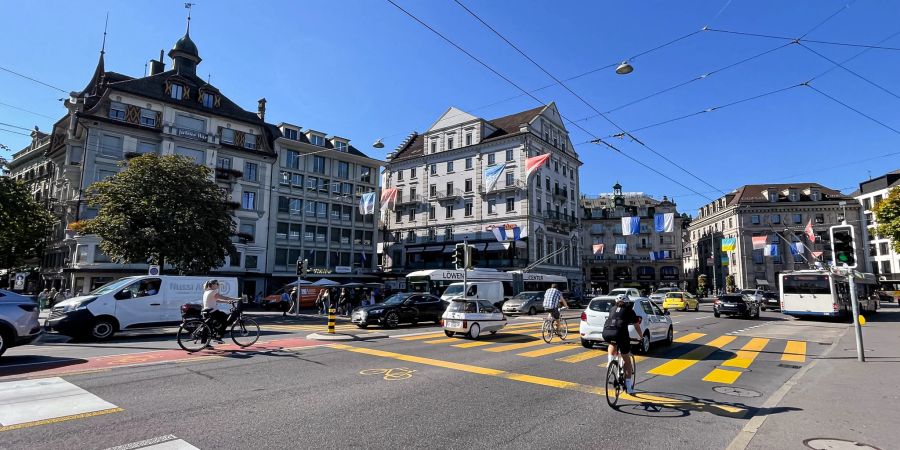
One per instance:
(494,247)
(414,249)
(762,282)
(434,248)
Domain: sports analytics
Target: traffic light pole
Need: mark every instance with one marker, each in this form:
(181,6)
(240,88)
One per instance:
(465,268)
(860,353)
(843,250)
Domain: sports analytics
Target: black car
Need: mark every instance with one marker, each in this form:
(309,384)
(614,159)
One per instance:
(407,307)
(572,300)
(736,305)
(771,301)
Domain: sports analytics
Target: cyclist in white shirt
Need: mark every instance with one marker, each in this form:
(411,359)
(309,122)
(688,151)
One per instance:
(211,299)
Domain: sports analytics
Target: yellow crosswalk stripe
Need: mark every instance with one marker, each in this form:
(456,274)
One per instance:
(515,337)
(794,351)
(741,360)
(690,337)
(676,366)
(419,337)
(508,347)
(583,356)
(456,339)
(549,350)
(637,359)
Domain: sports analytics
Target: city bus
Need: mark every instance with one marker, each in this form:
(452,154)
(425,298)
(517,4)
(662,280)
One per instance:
(819,293)
(436,280)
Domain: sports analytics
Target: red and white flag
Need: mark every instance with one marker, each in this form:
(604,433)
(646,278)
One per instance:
(759,242)
(534,163)
(598,248)
(809,231)
(388,197)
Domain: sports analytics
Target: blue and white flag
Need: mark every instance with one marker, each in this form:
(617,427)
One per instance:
(362,258)
(621,249)
(796,248)
(631,225)
(507,232)
(367,203)
(770,250)
(665,223)
(491,175)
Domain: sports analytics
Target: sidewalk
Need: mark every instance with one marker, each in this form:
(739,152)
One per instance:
(838,397)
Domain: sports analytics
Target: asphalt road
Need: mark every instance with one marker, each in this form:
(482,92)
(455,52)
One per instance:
(424,390)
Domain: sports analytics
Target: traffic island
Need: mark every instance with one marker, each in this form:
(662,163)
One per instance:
(346,336)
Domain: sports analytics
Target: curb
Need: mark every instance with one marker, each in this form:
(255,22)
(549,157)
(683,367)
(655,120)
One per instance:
(345,336)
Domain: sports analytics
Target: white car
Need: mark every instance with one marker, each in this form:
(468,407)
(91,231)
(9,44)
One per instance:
(755,294)
(656,324)
(631,292)
(659,296)
(472,318)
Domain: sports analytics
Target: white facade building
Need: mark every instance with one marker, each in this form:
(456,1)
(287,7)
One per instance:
(881,258)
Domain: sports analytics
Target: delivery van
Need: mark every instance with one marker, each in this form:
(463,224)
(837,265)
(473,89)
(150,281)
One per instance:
(130,303)
(491,291)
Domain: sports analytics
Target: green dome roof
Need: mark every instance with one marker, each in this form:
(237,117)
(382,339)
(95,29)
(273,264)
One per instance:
(186,45)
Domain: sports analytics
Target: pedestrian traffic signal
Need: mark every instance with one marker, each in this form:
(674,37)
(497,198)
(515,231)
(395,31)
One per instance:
(843,248)
(302,267)
(459,256)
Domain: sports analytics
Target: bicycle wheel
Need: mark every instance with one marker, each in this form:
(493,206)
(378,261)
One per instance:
(563,329)
(194,336)
(613,387)
(245,332)
(547,331)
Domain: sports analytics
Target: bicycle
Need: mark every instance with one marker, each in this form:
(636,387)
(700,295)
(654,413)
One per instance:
(554,327)
(194,334)
(615,377)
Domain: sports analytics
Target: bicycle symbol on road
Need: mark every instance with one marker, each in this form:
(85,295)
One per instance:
(397,373)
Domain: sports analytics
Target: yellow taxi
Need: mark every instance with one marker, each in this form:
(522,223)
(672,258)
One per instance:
(681,300)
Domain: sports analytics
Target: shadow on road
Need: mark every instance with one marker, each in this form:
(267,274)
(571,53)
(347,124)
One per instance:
(18,365)
(673,405)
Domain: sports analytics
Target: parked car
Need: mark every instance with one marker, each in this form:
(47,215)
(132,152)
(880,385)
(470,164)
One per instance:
(18,320)
(528,302)
(736,305)
(681,300)
(132,303)
(472,318)
(771,300)
(755,294)
(572,300)
(660,294)
(406,307)
(630,292)
(655,323)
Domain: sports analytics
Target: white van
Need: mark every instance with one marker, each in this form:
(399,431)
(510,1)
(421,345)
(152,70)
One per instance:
(491,291)
(131,303)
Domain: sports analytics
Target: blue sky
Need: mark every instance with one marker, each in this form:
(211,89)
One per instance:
(363,70)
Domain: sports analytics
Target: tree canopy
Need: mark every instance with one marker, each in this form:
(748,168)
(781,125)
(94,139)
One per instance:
(165,209)
(887,216)
(24,224)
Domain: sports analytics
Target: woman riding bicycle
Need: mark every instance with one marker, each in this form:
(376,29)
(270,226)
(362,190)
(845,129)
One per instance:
(212,297)
(615,332)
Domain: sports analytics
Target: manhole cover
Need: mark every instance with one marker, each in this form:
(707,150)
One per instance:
(837,444)
(789,366)
(736,391)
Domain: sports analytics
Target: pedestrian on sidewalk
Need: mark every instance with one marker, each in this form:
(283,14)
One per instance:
(51,297)
(371,297)
(285,303)
(42,299)
(344,301)
(321,299)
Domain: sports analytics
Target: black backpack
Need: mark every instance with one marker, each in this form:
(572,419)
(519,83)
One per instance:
(614,320)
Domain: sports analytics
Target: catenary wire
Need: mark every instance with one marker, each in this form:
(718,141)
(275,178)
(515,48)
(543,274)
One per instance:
(579,97)
(852,72)
(514,84)
(860,53)
(852,108)
(813,41)
(28,111)
(33,79)
(832,16)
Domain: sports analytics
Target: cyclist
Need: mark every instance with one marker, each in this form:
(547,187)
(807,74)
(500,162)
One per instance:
(211,297)
(615,332)
(552,299)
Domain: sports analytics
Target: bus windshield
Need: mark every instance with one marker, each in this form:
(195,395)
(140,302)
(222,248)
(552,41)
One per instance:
(806,284)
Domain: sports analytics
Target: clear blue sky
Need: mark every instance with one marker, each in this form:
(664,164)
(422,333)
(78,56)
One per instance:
(362,70)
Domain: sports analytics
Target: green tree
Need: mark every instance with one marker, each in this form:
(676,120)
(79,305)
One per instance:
(887,215)
(729,283)
(24,224)
(164,209)
(701,284)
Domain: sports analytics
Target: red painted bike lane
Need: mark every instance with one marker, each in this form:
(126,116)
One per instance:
(72,366)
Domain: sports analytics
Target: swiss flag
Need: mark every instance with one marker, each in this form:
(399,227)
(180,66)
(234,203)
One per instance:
(809,231)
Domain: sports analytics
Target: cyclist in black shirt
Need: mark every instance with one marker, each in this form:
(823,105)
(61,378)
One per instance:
(615,332)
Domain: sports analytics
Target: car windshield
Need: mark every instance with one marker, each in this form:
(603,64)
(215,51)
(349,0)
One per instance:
(396,299)
(602,305)
(454,289)
(461,306)
(526,295)
(663,291)
(674,295)
(112,287)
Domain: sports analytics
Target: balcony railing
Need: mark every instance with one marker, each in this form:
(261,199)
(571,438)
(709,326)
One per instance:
(564,219)
(517,185)
(447,195)
(410,199)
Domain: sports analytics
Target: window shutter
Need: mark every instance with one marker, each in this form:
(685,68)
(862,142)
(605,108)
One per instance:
(158,119)
(132,114)
(216,101)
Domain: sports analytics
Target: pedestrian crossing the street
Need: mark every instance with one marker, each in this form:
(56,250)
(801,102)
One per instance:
(731,356)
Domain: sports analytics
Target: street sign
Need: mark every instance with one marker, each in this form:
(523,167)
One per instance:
(153,270)
(20,281)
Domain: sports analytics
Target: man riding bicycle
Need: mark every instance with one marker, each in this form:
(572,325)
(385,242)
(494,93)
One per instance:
(615,332)
(552,299)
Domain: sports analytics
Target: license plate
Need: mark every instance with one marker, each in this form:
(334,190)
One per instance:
(728,304)
(452,324)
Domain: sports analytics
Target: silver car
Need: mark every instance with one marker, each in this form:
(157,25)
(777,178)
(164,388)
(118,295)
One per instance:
(659,296)
(528,302)
(18,320)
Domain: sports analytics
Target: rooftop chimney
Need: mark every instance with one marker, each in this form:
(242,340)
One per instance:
(157,67)
(261,109)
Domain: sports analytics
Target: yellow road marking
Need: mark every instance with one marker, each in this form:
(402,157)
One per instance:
(512,338)
(550,382)
(742,360)
(794,351)
(456,339)
(444,340)
(676,366)
(549,350)
(508,347)
(637,359)
(690,337)
(435,335)
(60,419)
(583,356)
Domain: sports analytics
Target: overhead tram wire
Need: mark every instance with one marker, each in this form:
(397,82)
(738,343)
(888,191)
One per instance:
(579,97)
(852,108)
(813,41)
(28,111)
(837,64)
(860,53)
(15,132)
(832,16)
(513,83)
(33,79)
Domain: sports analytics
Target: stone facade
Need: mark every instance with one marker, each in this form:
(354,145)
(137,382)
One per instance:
(881,258)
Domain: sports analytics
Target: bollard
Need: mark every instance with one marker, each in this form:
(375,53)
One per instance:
(331,319)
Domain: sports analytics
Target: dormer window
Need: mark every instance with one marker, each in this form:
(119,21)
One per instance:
(207,99)
(177,91)
(433,146)
(290,133)
(117,111)
(815,195)
(340,146)
(227,136)
(794,195)
(250,141)
(449,142)
(315,139)
(772,195)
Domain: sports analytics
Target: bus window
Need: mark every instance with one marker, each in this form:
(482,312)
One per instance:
(806,284)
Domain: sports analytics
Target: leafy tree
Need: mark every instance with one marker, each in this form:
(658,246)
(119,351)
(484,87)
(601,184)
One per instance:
(166,209)
(887,215)
(729,283)
(24,224)
(701,284)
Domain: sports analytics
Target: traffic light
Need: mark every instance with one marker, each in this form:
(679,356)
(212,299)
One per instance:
(470,256)
(459,256)
(302,267)
(842,246)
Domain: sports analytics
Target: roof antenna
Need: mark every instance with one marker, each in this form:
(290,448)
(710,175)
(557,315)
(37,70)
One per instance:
(189,6)
(208,77)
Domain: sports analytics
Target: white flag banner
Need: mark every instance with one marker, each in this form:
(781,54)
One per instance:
(491,175)
(367,203)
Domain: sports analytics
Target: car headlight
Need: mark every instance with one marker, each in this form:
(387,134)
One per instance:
(77,306)
(376,311)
